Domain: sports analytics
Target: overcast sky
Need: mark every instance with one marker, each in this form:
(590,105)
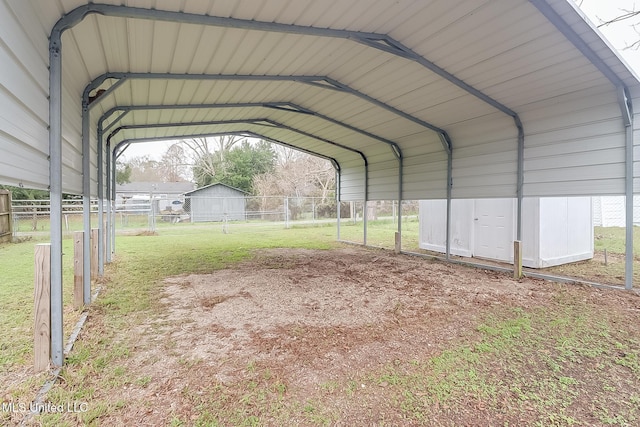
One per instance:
(620,35)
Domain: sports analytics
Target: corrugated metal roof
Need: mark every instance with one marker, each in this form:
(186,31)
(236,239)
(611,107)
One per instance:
(158,187)
(215,184)
(384,86)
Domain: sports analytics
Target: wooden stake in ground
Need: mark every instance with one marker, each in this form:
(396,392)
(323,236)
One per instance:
(42,307)
(517,259)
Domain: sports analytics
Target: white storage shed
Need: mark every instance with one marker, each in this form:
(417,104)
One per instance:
(555,230)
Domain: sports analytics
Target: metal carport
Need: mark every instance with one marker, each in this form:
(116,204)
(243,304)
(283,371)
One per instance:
(411,99)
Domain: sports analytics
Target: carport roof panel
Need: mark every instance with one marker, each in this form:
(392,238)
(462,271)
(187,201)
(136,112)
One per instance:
(459,40)
(513,52)
(456,31)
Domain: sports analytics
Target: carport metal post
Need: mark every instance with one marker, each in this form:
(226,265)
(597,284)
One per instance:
(55,188)
(100,208)
(366,198)
(107,193)
(87,104)
(113,202)
(110,177)
(338,207)
(449,188)
(86,200)
(364,222)
(627,107)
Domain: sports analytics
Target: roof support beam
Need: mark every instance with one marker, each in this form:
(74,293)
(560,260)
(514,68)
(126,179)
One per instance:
(329,83)
(280,106)
(258,121)
(113,123)
(314,80)
(378,41)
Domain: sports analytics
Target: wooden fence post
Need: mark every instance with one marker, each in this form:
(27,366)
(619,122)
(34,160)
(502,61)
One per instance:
(78,273)
(6,217)
(42,307)
(517,259)
(94,253)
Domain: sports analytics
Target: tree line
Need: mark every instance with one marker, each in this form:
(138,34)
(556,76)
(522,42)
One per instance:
(255,167)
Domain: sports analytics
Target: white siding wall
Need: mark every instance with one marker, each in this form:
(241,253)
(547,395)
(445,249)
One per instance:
(636,147)
(610,211)
(485,153)
(425,167)
(433,226)
(566,230)
(351,181)
(24,89)
(24,107)
(564,142)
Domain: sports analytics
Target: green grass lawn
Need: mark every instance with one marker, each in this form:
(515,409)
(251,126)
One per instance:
(613,239)
(203,247)
(381,233)
(533,359)
(16,300)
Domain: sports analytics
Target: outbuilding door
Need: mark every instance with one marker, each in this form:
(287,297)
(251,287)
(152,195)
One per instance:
(493,229)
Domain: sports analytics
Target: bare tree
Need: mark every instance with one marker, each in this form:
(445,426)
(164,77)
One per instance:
(286,154)
(201,153)
(623,15)
(297,175)
(174,164)
(143,168)
(323,175)
(225,143)
(207,155)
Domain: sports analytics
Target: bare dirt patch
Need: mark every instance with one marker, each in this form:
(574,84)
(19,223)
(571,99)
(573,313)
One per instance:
(303,322)
(285,299)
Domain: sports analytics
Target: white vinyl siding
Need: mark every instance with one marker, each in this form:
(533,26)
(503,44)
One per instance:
(575,145)
(24,138)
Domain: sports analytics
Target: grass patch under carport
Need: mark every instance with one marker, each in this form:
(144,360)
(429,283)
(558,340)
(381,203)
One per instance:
(600,269)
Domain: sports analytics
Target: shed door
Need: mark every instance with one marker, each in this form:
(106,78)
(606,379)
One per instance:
(493,229)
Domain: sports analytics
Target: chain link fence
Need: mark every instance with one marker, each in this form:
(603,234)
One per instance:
(153,212)
(156,213)
(32,216)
